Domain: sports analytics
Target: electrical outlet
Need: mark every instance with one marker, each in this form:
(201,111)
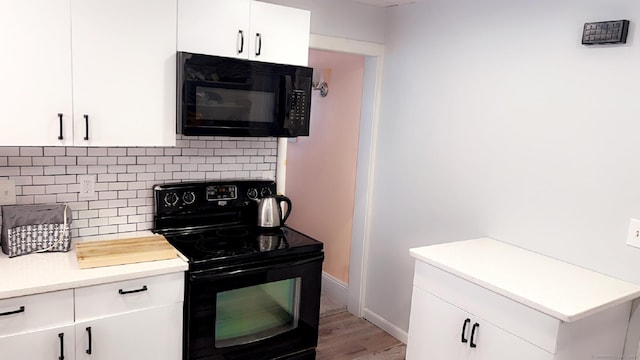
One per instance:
(7,192)
(87,187)
(633,237)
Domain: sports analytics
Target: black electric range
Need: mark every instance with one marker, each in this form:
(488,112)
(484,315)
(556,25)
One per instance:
(250,293)
(211,229)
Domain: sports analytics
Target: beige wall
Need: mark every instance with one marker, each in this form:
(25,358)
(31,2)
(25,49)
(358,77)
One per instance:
(321,168)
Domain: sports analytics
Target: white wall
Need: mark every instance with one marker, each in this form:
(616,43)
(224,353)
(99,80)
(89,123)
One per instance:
(342,18)
(497,122)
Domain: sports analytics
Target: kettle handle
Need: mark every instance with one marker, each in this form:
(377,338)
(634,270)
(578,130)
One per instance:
(282,198)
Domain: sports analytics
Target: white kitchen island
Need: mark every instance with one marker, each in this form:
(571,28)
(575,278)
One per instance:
(485,299)
(52,309)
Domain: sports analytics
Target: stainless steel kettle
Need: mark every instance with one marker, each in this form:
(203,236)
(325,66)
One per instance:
(270,212)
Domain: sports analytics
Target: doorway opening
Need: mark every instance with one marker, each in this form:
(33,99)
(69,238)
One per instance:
(353,293)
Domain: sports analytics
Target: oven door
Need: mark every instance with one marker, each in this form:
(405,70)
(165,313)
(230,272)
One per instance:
(266,311)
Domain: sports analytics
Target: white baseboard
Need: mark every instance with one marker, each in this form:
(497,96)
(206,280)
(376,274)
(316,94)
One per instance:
(336,289)
(385,325)
(339,292)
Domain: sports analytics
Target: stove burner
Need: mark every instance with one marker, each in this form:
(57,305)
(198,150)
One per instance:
(232,232)
(223,247)
(187,237)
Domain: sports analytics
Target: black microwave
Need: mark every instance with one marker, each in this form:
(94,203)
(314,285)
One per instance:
(236,97)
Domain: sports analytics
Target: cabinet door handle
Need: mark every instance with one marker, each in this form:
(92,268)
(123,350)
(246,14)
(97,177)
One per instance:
(88,351)
(86,124)
(123,292)
(259,41)
(473,334)
(13,312)
(464,330)
(60,137)
(241,36)
(61,337)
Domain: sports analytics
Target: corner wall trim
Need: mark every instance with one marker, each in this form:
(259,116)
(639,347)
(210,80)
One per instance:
(334,288)
(385,325)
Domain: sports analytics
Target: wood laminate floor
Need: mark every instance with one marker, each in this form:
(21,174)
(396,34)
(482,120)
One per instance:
(344,336)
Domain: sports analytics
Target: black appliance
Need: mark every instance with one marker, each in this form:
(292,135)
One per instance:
(249,293)
(236,97)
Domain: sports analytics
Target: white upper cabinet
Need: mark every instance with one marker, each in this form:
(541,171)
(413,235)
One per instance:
(35,68)
(124,72)
(111,60)
(214,27)
(244,29)
(279,34)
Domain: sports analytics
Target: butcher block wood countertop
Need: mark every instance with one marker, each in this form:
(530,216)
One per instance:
(131,250)
(44,272)
(556,288)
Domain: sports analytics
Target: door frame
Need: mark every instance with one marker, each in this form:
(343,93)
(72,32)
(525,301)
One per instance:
(365,169)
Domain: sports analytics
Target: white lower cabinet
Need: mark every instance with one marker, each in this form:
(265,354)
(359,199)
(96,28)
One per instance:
(486,300)
(439,330)
(127,320)
(154,333)
(47,344)
(37,327)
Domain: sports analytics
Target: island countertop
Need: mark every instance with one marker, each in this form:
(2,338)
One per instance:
(556,288)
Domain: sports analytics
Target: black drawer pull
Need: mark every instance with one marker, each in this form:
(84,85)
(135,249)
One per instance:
(60,137)
(464,330)
(61,337)
(13,312)
(473,334)
(123,292)
(88,351)
(86,122)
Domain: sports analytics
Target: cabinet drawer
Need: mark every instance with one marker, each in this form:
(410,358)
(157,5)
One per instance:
(124,296)
(535,327)
(34,312)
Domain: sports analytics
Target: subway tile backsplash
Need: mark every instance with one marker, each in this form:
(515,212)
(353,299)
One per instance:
(125,176)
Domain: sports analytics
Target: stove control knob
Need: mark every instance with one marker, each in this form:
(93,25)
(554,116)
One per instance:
(265,192)
(189,197)
(252,193)
(171,199)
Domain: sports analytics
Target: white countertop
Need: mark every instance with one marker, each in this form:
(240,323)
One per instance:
(564,291)
(38,273)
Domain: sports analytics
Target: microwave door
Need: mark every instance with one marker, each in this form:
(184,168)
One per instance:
(232,110)
(232,97)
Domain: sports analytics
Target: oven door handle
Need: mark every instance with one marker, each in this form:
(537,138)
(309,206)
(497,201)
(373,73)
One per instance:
(213,274)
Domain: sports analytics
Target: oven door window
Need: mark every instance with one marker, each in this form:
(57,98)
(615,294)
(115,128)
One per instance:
(232,107)
(257,312)
(269,308)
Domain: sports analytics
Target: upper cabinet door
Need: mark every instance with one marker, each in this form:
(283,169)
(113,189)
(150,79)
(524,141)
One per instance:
(214,27)
(35,68)
(244,29)
(279,34)
(124,72)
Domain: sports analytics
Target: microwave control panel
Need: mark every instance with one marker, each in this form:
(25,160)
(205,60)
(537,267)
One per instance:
(299,110)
